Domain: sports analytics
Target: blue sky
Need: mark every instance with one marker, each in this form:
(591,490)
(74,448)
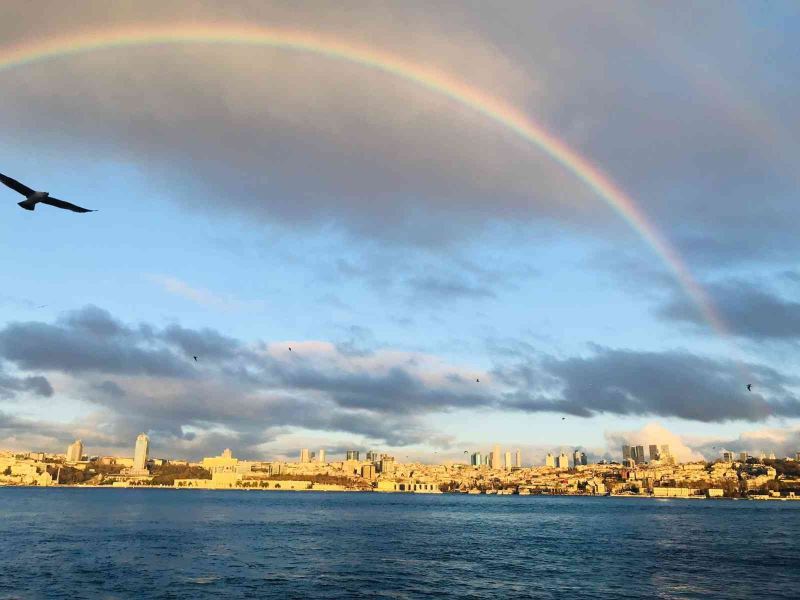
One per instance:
(254,199)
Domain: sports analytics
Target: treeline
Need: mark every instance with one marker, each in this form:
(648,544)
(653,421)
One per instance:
(322,479)
(167,474)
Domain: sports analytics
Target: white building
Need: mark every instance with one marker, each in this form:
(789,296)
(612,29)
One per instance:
(304,455)
(508,460)
(141,452)
(74,451)
(563,461)
(321,456)
(549,460)
(518,458)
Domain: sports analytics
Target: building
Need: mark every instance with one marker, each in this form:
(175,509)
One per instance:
(727,456)
(507,462)
(495,461)
(141,453)
(563,461)
(386,464)
(627,452)
(372,456)
(579,458)
(665,454)
(475,459)
(796,456)
(321,456)
(743,456)
(304,456)
(74,451)
(518,459)
(352,455)
(640,457)
(368,471)
(549,460)
(654,453)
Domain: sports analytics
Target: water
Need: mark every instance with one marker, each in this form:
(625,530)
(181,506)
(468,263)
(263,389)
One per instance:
(97,543)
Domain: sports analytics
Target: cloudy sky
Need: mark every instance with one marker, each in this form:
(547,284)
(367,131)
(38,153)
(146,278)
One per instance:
(402,243)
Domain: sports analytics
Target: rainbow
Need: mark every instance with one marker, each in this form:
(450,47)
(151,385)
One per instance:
(435,81)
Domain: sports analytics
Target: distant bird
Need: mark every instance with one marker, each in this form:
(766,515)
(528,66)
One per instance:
(477,381)
(32,197)
(563,418)
(749,385)
(42,306)
(195,358)
(466,451)
(290,348)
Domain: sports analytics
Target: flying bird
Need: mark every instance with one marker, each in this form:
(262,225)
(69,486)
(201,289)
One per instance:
(32,197)
(563,418)
(195,358)
(477,380)
(290,348)
(749,385)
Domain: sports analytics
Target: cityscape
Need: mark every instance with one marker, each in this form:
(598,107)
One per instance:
(654,473)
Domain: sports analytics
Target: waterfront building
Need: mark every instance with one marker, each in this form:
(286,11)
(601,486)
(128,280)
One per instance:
(141,453)
(304,457)
(507,462)
(496,464)
(518,459)
(74,451)
(475,459)
(352,455)
(321,456)
(549,460)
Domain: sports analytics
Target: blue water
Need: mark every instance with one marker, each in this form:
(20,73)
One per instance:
(92,543)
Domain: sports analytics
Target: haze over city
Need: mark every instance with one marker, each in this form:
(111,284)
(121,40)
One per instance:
(580,232)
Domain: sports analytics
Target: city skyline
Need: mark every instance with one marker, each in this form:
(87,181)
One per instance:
(314,237)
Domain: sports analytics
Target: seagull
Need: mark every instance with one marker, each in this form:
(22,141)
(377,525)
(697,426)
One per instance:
(290,348)
(195,358)
(749,385)
(32,197)
(563,418)
(477,380)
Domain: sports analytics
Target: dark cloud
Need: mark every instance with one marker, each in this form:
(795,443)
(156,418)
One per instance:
(673,384)
(10,385)
(749,311)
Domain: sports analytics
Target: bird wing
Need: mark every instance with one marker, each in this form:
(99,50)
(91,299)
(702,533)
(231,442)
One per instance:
(16,185)
(65,205)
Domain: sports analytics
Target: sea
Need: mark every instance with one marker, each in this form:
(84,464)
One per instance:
(154,543)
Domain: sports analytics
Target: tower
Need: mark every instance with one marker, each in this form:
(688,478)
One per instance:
(141,452)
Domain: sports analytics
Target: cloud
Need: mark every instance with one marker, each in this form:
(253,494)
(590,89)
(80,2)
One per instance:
(200,296)
(750,311)
(10,385)
(667,383)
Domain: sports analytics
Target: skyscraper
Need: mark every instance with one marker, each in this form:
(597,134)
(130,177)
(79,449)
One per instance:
(665,453)
(372,456)
(74,451)
(475,459)
(563,461)
(495,463)
(507,463)
(654,454)
(352,455)
(518,458)
(579,458)
(639,455)
(304,458)
(321,456)
(627,452)
(141,452)
(549,460)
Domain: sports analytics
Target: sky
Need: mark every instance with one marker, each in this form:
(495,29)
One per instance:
(409,200)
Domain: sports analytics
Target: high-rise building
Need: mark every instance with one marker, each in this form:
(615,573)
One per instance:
(496,464)
(372,456)
(304,457)
(74,451)
(654,453)
(743,456)
(627,452)
(727,456)
(352,455)
(321,456)
(579,458)
(772,456)
(796,456)
(387,464)
(549,460)
(518,458)
(475,459)
(507,463)
(664,452)
(640,456)
(368,471)
(142,450)
(563,461)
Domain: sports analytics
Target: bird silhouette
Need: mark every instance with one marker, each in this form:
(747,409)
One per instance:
(290,348)
(32,197)
(563,418)
(749,385)
(477,380)
(195,358)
